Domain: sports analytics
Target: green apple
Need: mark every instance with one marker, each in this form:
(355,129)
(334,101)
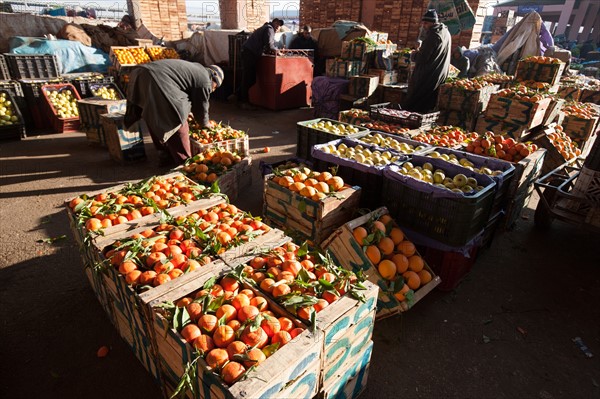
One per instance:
(439,177)
(460,180)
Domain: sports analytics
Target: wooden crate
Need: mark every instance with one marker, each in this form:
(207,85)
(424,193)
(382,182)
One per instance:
(461,119)
(344,69)
(569,92)
(553,158)
(498,127)
(235,180)
(313,220)
(124,145)
(90,110)
(579,129)
(589,95)
(291,372)
(115,61)
(517,112)
(362,86)
(547,73)
(60,125)
(349,253)
(80,232)
(351,381)
(355,50)
(454,98)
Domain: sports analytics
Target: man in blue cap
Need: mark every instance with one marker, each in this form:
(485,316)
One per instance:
(163,93)
(432,64)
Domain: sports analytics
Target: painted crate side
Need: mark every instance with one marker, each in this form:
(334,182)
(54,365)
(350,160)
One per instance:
(517,112)
(317,218)
(240,145)
(347,252)
(454,98)
(350,382)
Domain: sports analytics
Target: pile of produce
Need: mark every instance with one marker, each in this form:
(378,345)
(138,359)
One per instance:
(379,140)
(162,53)
(522,93)
(333,127)
(135,200)
(308,183)
(495,78)
(64,103)
(394,256)
(303,282)
(385,127)
(538,59)
(361,154)
(131,55)
(581,110)
(8,115)
(231,327)
(468,84)
(563,143)
(465,163)
(206,135)
(497,146)
(459,183)
(210,164)
(445,136)
(107,93)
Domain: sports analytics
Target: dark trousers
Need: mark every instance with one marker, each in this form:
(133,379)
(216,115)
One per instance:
(178,145)
(249,61)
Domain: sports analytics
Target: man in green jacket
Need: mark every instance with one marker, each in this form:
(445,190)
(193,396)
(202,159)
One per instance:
(163,93)
(432,64)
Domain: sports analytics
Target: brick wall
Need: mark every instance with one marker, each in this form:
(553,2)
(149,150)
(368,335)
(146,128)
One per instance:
(243,14)
(400,18)
(166,18)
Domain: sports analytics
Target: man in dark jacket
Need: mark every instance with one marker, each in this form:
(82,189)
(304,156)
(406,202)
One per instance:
(305,41)
(260,41)
(163,93)
(432,63)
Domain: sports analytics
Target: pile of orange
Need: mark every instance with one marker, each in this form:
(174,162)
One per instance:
(469,84)
(209,165)
(134,201)
(581,110)
(495,78)
(156,256)
(233,328)
(445,136)
(310,184)
(161,53)
(538,59)
(393,255)
(522,93)
(207,135)
(501,147)
(285,273)
(563,143)
(131,55)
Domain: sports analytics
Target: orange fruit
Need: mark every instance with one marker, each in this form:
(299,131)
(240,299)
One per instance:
(271,325)
(259,302)
(401,263)
(208,323)
(377,225)
(330,297)
(336,183)
(256,337)
(229,283)
(280,290)
(415,263)
(236,348)
(239,301)
(373,254)
(425,276)
(296,331)
(102,351)
(324,176)
(360,233)
(401,294)
(385,219)
(232,372)
(296,186)
(286,324)
(255,357)
(204,343)
(282,337)
(308,191)
(387,269)
(217,357)
(407,248)
(227,311)
(247,313)
(322,187)
(190,332)
(386,245)
(412,279)
(223,336)
(396,235)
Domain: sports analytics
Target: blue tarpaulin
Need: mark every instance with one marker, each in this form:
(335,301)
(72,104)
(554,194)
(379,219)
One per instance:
(73,56)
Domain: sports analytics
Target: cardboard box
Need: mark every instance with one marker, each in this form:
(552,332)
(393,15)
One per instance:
(123,145)
(386,77)
(355,50)
(336,68)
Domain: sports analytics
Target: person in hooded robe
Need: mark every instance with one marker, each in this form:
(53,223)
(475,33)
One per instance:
(432,64)
(460,61)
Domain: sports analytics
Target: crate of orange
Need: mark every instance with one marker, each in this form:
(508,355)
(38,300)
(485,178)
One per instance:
(217,337)
(331,299)
(520,105)
(540,69)
(220,136)
(139,266)
(123,56)
(309,203)
(559,147)
(228,169)
(375,245)
(579,121)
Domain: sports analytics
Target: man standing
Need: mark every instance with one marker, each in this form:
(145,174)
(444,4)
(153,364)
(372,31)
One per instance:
(163,93)
(305,41)
(432,63)
(261,40)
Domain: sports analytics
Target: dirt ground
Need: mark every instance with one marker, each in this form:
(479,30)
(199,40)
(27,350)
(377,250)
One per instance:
(506,332)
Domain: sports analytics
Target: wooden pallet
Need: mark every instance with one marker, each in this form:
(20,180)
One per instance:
(313,220)
(349,253)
